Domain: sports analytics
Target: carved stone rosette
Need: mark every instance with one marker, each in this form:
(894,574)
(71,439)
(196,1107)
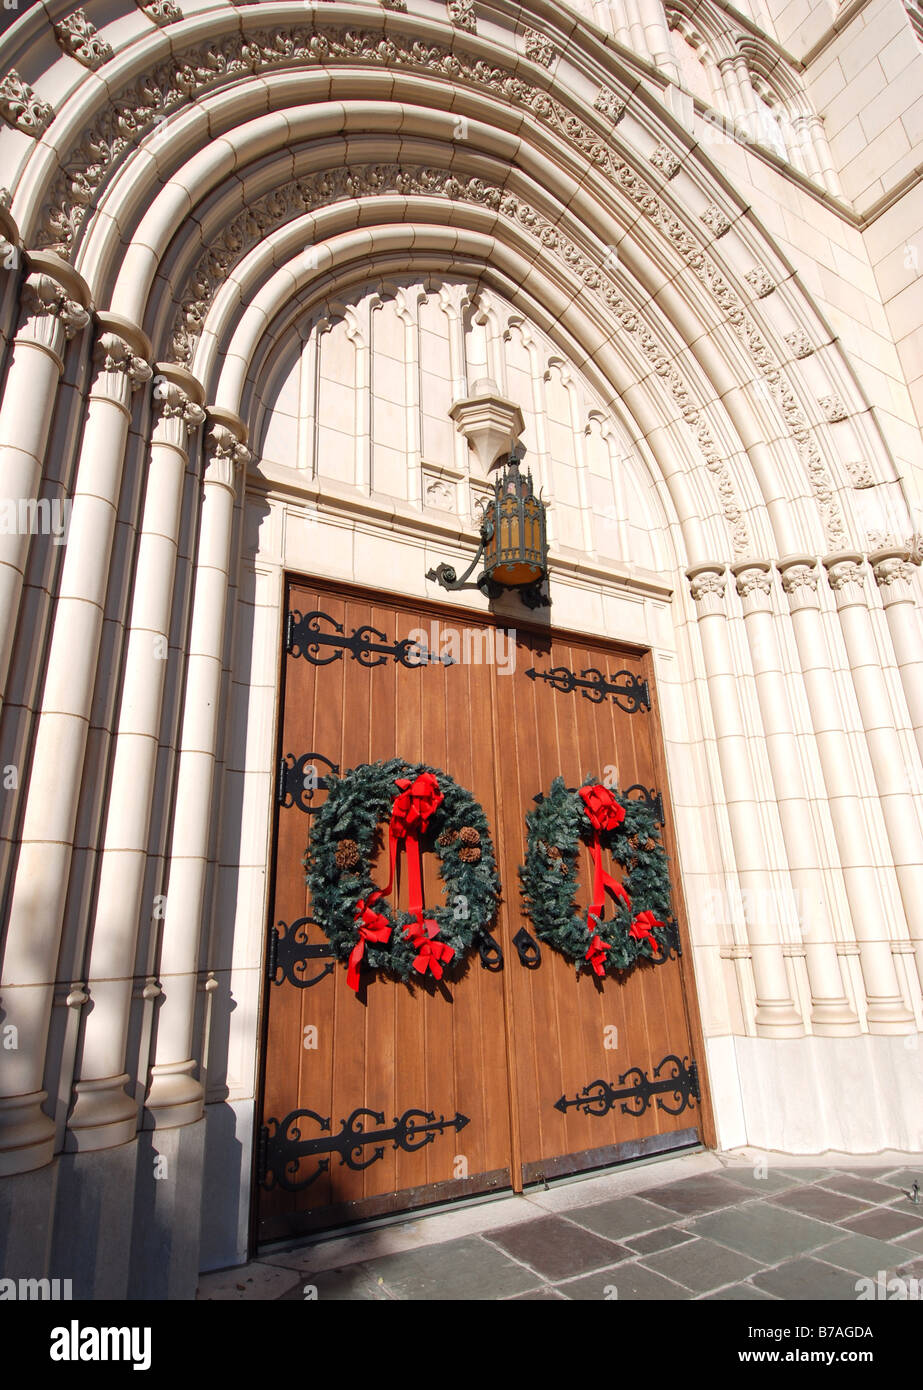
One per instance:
(760,281)
(754,585)
(800,345)
(160,11)
(707,584)
(846,576)
(666,161)
(539,48)
(610,105)
(462,15)
(799,581)
(715,220)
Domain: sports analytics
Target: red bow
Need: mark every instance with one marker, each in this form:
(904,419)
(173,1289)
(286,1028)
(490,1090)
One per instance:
(641,929)
(410,817)
(416,805)
(603,813)
(596,955)
(373,926)
(430,953)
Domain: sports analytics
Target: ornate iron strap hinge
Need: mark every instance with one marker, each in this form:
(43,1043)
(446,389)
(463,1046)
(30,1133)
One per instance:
(289,954)
(305,638)
(599,1097)
(299,780)
(630,694)
(281,1147)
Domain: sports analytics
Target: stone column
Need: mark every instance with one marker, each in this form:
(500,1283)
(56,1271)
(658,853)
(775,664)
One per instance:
(54,308)
(104,1115)
(886,1012)
(894,576)
(831,1013)
(40,886)
(776,1014)
(846,574)
(176,1096)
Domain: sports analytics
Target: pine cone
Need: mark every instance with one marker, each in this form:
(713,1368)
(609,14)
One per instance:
(651,844)
(448,837)
(554,852)
(469,836)
(470,855)
(347,855)
(633,841)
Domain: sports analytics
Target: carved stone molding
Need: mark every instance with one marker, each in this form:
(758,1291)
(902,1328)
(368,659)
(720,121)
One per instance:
(760,281)
(78,37)
(119,369)
(800,345)
(325,187)
(20,106)
(893,574)
(539,48)
(860,475)
(799,580)
(610,105)
(666,161)
(198,68)
(846,576)
(834,409)
(715,219)
(754,584)
(707,584)
(160,11)
(462,15)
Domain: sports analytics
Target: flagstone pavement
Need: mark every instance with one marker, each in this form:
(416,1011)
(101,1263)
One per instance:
(701,1226)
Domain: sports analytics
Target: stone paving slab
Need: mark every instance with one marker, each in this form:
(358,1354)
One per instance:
(691,1228)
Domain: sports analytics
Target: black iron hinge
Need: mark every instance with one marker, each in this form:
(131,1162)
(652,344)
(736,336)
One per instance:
(694,1079)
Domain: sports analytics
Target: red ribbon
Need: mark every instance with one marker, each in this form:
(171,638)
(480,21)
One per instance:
(596,955)
(603,813)
(411,814)
(641,929)
(372,927)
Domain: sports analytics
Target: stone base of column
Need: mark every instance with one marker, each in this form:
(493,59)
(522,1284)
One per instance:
(834,1019)
(778,1021)
(103,1115)
(175,1096)
(890,1017)
(26,1134)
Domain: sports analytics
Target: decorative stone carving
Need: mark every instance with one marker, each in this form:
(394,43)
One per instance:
(50,316)
(440,495)
(160,11)
(834,409)
(78,37)
(715,219)
(707,587)
(754,584)
(462,15)
(226,457)
(846,576)
(610,105)
(860,475)
(119,371)
(800,344)
(176,414)
(760,281)
(6,199)
(666,161)
(893,575)
(22,108)
(400,5)
(800,577)
(129,116)
(325,187)
(539,48)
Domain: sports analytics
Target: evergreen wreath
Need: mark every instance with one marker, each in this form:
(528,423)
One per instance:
(426,810)
(604,820)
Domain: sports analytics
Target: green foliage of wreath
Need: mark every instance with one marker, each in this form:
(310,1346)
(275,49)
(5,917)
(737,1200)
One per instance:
(552,894)
(357,811)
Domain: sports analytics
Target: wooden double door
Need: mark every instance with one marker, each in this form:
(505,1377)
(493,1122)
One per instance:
(517,1070)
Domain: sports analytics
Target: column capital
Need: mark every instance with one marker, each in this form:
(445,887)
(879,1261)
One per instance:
(707,584)
(754,584)
(846,577)
(120,356)
(178,405)
(799,580)
(893,574)
(55,303)
(224,445)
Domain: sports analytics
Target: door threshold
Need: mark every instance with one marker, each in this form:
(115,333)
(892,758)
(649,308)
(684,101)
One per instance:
(357,1228)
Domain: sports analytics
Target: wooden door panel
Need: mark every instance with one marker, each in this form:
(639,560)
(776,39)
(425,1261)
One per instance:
(498,1048)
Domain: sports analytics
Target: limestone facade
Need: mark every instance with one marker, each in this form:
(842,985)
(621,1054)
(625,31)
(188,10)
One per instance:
(251,255)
